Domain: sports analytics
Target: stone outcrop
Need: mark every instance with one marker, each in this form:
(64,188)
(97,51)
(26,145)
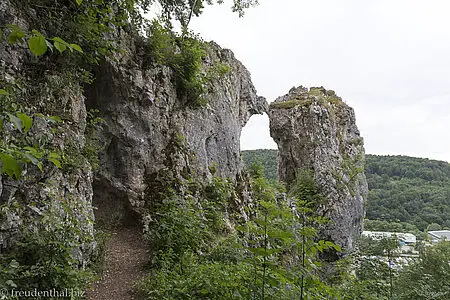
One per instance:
(152,136)
(50,193)
(315,130)
(149,135)
(154,139)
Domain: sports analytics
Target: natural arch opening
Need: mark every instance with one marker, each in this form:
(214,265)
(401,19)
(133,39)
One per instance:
(256,134)
(257,146)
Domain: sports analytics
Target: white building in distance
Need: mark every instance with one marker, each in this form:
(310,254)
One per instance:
(439,235)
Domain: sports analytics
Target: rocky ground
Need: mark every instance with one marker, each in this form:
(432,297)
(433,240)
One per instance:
(125,261)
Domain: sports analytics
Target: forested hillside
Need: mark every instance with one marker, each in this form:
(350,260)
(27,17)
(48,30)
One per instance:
(402,190)
(407,189)
(264,157)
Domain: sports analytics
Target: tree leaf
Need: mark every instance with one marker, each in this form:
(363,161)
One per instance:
(27,122)
(61,47)
(60,40)
(54,119)
(37,44)
(3,92)
(55,159)
(60,44)
(14,264)
(16,121)
(10,166)
(263,252)
(49,45)
(272,281)
(76,47)
(35,152)
(31,158)
(16,34)
(11,283)
(79,2)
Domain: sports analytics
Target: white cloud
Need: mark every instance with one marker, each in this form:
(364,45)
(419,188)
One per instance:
(390,60)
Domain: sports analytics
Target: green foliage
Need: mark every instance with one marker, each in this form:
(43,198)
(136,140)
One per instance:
(188,237)
(370,274)
(37,43)
(93,144)
(426,278)
(183,10)
(97,263)
(17,148)
(10,166)
(43,257)
(407,193)
(16,34)
(378,276)
(305,188)
(314,94)
(264,157)
(219,70)
(183,54)
(284,241)
(199,279)
(199,255)
(49,242)
(179,226)
(291,104)
(406,189)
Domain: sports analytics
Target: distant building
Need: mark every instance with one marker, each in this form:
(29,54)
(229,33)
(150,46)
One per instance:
(407,241)
(403,238)
(439,235)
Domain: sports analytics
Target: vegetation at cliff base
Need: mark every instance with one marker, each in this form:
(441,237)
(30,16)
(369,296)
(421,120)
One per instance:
(406,194)
(205,250)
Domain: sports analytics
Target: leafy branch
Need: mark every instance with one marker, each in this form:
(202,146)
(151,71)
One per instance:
(37,43)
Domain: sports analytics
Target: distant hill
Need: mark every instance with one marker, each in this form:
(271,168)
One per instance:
(265,157)
(401,188)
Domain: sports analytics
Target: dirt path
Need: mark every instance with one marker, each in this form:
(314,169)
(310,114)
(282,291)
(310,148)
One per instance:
(126,257)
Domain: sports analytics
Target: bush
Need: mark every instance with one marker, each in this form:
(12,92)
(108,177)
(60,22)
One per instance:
(199,254)
(48,254)
(183,54)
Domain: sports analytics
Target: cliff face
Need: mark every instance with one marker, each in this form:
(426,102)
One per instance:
(41,199)
(153,140)
(153,137)
(315,130)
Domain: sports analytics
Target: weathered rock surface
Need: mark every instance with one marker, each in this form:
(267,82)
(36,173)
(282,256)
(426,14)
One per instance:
(52,193)
(152,136)
(315,130)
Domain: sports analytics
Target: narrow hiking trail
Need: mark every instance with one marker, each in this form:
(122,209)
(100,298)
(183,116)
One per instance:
(125,260)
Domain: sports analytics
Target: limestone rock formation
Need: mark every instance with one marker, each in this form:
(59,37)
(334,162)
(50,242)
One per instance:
(153,136)
(27,203)
(315,130)
(150,135)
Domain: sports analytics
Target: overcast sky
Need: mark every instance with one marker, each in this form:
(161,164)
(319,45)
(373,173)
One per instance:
(388,59)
